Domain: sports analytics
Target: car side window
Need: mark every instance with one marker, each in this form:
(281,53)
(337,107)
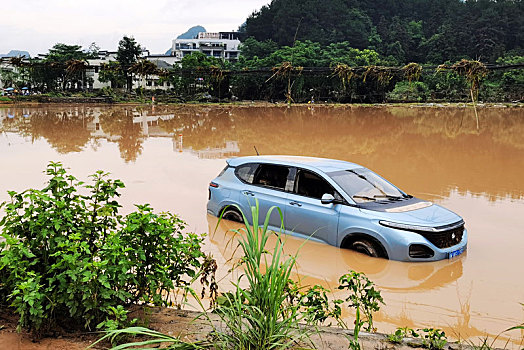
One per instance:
(311,185)
(246,172)
(272,176)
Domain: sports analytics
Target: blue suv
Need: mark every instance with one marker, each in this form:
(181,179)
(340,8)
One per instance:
(338,203)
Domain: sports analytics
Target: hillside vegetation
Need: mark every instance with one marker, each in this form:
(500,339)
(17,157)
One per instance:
(423,31)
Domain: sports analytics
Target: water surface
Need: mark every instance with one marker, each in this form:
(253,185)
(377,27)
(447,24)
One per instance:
(167,155)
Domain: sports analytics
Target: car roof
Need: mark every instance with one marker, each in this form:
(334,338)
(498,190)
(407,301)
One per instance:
(324,164)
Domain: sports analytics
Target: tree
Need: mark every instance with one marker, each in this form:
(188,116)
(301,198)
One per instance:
(59,65)
(112,72)
(261,49)
(144,68)
(63,52)
(483,29)
(75,68)
(17,77)
(92,51)
(128,53)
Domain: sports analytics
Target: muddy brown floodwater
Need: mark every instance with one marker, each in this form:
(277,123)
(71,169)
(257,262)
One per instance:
(167,155)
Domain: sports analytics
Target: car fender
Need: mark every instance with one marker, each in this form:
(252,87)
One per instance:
(229,202)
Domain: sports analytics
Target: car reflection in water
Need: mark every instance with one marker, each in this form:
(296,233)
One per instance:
(319,263)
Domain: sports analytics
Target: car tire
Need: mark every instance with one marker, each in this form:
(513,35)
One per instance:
(232,214)
(365,247)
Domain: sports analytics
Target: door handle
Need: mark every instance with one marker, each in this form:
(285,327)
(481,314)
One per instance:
(249,193)
(295,203)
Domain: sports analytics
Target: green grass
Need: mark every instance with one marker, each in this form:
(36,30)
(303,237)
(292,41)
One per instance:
(260,316)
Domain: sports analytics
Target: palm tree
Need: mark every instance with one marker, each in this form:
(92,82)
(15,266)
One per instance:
(143,68)
(19,72)
(73,67)
(17,61)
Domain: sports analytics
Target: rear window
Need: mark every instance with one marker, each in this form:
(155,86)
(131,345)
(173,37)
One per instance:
(245,172)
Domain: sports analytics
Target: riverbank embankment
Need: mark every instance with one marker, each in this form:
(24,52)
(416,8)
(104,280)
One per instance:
(50,100)
(190,327)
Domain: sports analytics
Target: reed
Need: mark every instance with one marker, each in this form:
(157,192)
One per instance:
(261,316)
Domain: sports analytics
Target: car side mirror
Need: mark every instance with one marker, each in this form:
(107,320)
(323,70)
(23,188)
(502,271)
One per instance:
(327,199)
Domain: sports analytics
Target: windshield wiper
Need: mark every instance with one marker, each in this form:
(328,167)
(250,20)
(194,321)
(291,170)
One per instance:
(365,197)
(388,196)
(375,197)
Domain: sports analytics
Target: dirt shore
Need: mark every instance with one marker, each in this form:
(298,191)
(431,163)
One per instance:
(186,325)
(47,100)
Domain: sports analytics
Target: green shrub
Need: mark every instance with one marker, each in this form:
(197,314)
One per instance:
(447,85)
(315,305)
(400,334)
(70,259)
(433,338)
(405,91)
(364,298)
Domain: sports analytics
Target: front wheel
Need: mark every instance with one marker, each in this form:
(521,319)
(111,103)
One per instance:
(366,247)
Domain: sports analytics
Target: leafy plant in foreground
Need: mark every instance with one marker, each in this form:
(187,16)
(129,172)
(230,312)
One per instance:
(401,333)
(116,318)
(70,259)
(364,298)
(434,338)
(315,304)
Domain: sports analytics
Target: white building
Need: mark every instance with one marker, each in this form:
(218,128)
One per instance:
(220,45)
(94,67)
(151,82)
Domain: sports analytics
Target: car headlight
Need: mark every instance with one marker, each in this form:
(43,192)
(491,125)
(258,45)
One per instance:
(407,227)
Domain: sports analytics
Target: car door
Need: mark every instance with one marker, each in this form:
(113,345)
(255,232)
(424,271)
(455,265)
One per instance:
(305,214)
(269,184)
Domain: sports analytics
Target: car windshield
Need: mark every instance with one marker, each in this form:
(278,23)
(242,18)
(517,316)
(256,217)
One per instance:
(363,185)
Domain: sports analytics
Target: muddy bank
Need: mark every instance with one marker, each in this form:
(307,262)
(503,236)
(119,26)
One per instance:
(186,325)
(58,99)
(21,101)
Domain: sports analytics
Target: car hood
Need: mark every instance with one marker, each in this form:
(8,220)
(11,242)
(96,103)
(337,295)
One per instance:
(433,215)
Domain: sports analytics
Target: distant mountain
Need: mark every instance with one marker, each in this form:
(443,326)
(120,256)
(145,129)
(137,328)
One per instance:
(16,53)
(190,34)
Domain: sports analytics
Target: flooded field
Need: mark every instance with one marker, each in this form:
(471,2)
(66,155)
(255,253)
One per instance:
(166,156)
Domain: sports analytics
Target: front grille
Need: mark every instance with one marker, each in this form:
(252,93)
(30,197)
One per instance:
(445,239)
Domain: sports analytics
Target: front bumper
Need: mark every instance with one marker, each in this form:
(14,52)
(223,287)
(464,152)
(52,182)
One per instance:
(400,241)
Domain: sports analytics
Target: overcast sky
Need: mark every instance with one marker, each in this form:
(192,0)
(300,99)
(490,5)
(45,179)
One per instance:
(36,25)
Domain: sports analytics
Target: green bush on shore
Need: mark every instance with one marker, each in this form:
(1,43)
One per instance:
(69,259)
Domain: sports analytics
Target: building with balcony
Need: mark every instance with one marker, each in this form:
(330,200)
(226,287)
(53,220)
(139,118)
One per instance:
(222,45)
